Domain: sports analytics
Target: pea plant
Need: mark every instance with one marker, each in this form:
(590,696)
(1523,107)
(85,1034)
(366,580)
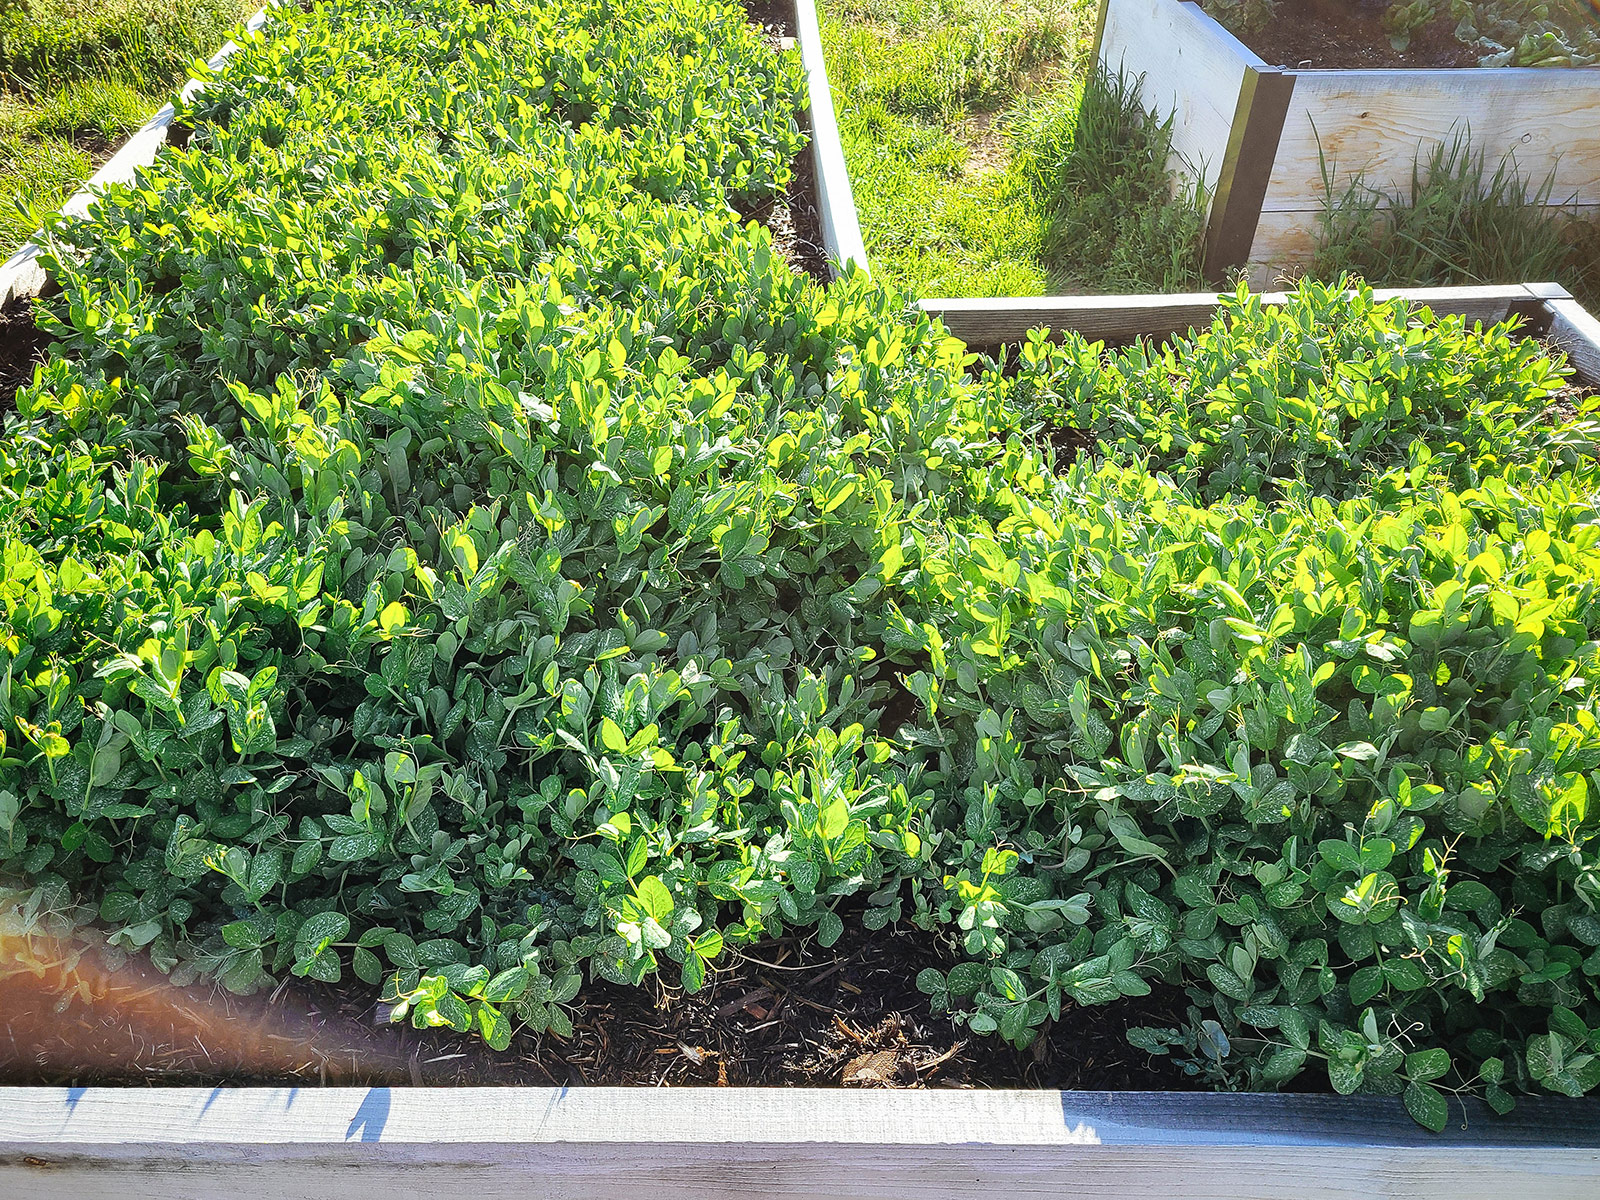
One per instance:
(449,554)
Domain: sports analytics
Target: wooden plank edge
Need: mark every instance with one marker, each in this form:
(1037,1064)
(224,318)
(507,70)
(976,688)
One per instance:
(21,276)
(1576,333)
(1258,120)
(756,1143)
(43,1120)
(1138,314)
(1518,78)
(761,1171)
(841,225)
(1102,12)
(1206,21)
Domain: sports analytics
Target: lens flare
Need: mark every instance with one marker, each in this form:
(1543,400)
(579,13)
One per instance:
(70,1019)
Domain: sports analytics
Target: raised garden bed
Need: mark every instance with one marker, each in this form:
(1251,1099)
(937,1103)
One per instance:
(855,535)
(1259,133)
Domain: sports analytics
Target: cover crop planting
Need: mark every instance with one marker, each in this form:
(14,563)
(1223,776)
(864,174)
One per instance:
(448,549)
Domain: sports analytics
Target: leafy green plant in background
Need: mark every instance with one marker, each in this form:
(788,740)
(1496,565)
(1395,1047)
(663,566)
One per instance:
(1402,20)
(448,549)
(1505,33)
(1243,16)
(1529,33)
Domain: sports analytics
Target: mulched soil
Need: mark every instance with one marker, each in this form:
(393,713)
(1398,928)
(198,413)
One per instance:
(787,1014)
(1347,34)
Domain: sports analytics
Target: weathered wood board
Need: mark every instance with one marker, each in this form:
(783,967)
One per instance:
(841,227)
(1372,124)
(1545,122)
(1121,319)
(754,1144)
(1192,68)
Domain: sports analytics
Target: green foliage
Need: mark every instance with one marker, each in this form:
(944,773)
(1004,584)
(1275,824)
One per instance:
(1119,218)
(1334,395)
(1459,223)
(1404,18)
(1529,33)
(448,549)
(1242,16)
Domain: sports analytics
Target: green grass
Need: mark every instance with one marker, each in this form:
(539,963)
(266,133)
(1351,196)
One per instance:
(925,91)
(1116,221)
(76,77)
(984,163)
(1460,221)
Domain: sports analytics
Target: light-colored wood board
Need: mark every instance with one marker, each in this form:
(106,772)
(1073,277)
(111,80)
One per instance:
(673,1144)
(1377,124)
(21,276)
(680,1171)
(1192,69)
(1288,238)
(1576,332)
(994,322)
(135,1118)
(841,226)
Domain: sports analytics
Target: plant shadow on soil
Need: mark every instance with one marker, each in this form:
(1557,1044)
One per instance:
(795,220)
(788,1013)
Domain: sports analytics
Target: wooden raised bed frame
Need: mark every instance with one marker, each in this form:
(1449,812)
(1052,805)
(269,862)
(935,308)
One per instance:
(754,1144)
(1546,309)
(1256,134)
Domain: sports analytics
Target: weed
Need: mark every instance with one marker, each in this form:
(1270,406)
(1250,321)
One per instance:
(1120,219)
(1459,222)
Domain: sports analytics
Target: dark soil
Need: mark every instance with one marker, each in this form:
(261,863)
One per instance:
(795,220)
(22,345)
(788,1014)
(776,17)
(1347,34)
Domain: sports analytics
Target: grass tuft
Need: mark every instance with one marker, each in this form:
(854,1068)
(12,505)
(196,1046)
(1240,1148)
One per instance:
(1119,217)
(1460,222)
